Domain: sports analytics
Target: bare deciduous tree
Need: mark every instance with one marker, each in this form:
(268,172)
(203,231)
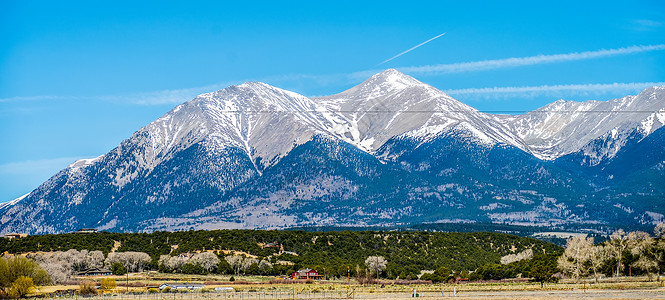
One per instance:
(57,271)
(235,261)
(133,261)
(264,265)
(173,262)
(248,262)
(376,264)
(208,261)
(526,254)
(61,265)
(597,256)
(643,245)
(578,250)
(618,243)
(94,260)
(659,231)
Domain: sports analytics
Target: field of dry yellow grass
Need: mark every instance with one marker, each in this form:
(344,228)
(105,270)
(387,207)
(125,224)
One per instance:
(260,287)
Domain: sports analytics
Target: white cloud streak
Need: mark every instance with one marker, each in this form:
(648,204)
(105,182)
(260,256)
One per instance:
(411,49)
(163,97)
(34,98)
(22,177)
(40,165)
(485,65)
(646,25)
(176,96)
(551,90)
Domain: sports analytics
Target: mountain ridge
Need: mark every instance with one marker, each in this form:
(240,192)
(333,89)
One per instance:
(390,150)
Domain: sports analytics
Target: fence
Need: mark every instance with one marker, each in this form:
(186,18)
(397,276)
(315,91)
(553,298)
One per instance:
(258,295)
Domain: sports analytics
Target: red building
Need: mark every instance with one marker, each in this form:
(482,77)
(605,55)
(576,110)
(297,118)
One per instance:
(306,274)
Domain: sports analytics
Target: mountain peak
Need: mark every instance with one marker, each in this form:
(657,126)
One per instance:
(378,85)
(393,78)
(390,150)
(391,72)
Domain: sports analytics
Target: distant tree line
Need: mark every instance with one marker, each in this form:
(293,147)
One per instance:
(19,276)
(266,252)
(622,254)
(633,253)
(367,254)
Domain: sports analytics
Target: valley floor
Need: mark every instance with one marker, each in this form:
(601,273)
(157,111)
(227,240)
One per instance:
(259,288)
(658,293)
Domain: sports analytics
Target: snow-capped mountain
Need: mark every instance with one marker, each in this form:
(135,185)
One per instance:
(564,127)
(390,150)
(391,103)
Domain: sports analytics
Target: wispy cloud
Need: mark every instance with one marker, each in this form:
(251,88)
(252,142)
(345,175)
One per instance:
(484,65)
(411,49)
(39,165)
(34,98)
(646,25)
(568,90)
(175,96)
(165,97)
(18,178)
(162,97)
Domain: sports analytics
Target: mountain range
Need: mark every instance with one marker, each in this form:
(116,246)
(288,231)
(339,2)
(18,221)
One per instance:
(391,150)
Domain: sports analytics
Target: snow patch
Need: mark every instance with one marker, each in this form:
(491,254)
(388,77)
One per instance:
(13,202)
(656,217)
(624,208)
(81,163)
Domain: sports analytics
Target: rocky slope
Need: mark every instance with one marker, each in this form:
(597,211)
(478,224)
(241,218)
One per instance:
(391,150)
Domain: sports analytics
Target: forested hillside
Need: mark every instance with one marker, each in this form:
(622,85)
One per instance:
(407,252)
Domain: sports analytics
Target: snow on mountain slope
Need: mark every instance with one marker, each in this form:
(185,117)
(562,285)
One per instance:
(268,157)
(208,146)
(391,103)
(13,202)
(265,121)
(564,127)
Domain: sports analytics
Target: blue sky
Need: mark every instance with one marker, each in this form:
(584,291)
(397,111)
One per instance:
(78,77)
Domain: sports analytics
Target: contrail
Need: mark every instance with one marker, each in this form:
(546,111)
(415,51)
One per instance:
(484,65)
(563,90)
(411,49)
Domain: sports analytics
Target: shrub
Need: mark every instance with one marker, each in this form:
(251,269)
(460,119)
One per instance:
(153,290)
(12,267)
(166,289)
(118,269)
(21,287)
(232,278)
(190,268)
(108,284)
(475,276)
(88,288)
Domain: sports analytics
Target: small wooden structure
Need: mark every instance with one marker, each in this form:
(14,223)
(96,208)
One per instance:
(12,236)
(182,286)
(306,274)
(95,272)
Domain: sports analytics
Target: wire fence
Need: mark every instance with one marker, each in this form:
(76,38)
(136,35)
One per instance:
(217,295)
(259,295)
(635,288)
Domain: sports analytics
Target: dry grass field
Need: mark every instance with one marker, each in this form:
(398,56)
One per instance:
(259,287)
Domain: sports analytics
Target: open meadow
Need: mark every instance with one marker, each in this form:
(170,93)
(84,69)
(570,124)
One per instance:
(137,286)
(236,264)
